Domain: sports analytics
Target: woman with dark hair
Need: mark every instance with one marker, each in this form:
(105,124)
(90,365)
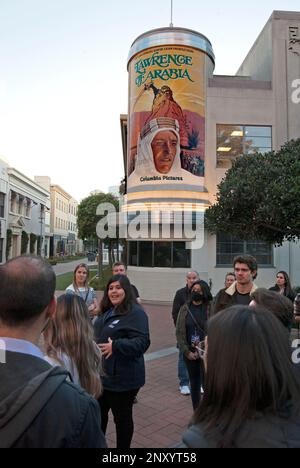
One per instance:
(122,334)
(279,305)
(190,332)
(283,285)
(252,389)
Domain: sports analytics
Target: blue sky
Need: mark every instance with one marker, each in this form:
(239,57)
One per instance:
(63,76)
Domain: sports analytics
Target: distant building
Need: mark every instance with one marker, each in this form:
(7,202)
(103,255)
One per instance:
(4,197)
(27,206)
(63,220)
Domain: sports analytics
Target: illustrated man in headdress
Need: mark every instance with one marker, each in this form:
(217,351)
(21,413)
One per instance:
(164,105)
(158,153)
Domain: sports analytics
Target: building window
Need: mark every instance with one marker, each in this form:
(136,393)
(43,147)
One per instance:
(13,202)
(159,254)
(229,247)
(21,205)
(2,205)
(1,250)
(236,140)
(27,207)
(145,253)
(133,253)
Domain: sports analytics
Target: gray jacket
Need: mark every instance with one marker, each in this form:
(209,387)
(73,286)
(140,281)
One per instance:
(264,431)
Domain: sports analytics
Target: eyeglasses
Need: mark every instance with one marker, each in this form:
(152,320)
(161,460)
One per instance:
(201,349)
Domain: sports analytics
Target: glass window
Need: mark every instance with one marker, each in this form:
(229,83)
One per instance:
(236,140)
(162,254)
(181,255)
(258,131)
(159,254)
(145,254)
(13,202)
(133,253)
(2,205)
(229,247)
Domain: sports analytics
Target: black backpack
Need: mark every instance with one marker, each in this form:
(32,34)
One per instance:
(32,400)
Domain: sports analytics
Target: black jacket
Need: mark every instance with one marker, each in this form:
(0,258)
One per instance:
(289,294)
(70,418)
(181,297)
(125,368)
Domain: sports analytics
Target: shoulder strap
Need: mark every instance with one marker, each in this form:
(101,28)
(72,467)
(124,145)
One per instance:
(32,400)
(87,295)
(195,321)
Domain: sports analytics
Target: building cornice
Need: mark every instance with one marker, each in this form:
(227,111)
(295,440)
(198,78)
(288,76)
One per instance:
(18,176)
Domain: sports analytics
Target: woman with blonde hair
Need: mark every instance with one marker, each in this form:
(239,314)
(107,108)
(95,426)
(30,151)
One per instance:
(80,287)
(69,342)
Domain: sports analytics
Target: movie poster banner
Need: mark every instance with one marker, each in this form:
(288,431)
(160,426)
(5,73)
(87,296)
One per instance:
(166,117)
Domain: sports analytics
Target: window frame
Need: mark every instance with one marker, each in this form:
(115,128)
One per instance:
(2,205)
(137,252)
(244,252)
(243,127)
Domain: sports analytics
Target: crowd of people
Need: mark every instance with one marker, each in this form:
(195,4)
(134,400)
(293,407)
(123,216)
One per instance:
(70,361)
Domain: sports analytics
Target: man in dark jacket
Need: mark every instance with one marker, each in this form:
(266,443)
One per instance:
(181,297)
(38,407)
(119,268)
(245,269)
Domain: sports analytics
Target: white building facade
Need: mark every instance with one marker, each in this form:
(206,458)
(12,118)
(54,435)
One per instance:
(28,204)
(63,220)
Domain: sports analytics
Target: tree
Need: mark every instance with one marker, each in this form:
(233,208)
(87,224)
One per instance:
(33,239)
(260,197)
(87,220)
(24,242)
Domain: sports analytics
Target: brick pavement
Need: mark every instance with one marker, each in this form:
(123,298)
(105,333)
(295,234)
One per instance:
(162,413)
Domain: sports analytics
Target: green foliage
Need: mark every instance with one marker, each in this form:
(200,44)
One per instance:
(8,242)
(99,284)
(87,218)
(24,242)
(33,238)
(260,197)
(39,244)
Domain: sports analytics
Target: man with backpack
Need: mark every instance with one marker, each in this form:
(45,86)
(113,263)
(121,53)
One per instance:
(39,408)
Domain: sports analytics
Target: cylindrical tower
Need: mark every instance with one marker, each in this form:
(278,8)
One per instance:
(168,73)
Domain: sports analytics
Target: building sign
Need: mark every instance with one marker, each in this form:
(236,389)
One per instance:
(166,117)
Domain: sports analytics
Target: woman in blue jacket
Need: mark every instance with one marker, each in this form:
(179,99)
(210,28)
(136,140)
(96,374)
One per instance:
(122,334)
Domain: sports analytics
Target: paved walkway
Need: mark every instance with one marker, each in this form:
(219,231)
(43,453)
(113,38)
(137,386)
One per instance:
(65,267)
(162,413)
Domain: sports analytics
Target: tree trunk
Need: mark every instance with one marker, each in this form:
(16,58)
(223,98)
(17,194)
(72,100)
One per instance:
(113,253)
(100,259)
